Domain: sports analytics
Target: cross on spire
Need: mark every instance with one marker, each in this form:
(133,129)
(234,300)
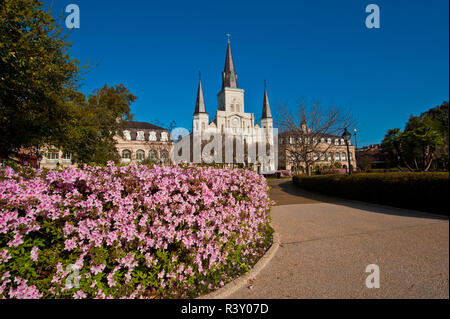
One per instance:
(229,37)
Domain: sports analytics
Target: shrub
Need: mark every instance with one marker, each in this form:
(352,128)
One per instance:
(128,232)
(420,191)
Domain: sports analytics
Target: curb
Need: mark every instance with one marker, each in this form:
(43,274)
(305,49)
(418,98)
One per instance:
(240,282)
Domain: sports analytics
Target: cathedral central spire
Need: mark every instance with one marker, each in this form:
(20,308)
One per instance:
(229,76)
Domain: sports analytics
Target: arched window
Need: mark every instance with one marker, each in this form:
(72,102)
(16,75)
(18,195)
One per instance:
(232,107)
(126,156)
(343,156)
(164,156)
(153,156)
(140,155)
(337,156)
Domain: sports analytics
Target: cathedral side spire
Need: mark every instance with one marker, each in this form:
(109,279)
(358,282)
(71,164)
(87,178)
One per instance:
(200,102)
(266,107)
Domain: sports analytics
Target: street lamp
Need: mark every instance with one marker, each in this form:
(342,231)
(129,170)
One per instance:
(347,136)
(356,141)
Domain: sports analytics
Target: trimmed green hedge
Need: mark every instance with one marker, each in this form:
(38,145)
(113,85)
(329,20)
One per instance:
(419,191)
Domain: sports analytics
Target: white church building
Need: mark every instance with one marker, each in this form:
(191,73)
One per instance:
(231,121)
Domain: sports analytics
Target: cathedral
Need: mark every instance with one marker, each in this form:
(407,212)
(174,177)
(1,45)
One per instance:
(245,143)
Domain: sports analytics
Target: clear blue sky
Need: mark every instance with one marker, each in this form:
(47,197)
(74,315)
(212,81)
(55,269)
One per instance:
(319,50)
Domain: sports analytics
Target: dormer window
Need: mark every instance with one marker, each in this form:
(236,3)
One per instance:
(329,141)
(152,136)
(140,136)
(336,142)
(164,137)
(127,135)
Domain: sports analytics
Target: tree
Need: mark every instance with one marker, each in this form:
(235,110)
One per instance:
(416,146)
(307,127)
(36,75)
(94,121)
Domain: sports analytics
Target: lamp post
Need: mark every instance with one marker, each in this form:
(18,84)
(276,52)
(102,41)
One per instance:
(347,135)
(356,141)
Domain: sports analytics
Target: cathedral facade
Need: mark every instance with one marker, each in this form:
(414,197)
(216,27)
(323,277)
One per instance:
(235,137)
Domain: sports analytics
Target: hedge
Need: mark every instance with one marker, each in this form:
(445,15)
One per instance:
(129,232)
(426,192)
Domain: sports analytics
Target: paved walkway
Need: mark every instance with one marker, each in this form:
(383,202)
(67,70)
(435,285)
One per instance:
(326,244)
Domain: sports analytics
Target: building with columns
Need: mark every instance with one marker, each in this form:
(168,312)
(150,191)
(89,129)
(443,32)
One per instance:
(231,120)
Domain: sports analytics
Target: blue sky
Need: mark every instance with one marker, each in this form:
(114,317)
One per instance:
(318,50)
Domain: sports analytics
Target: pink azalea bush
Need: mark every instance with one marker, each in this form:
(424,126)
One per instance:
(128,232)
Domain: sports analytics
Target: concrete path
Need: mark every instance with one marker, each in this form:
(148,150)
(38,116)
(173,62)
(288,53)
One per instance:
(326,244)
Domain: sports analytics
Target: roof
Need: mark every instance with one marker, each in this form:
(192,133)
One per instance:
(142,125)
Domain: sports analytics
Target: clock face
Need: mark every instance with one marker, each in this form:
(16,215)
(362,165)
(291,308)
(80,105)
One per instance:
(235,121)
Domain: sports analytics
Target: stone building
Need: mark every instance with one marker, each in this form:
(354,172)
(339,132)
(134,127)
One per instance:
(139,141)
(231,120)
(144,141)
(330,150)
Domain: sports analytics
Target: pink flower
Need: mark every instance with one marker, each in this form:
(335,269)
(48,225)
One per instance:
(79,295)
(4,256)
(34,253)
